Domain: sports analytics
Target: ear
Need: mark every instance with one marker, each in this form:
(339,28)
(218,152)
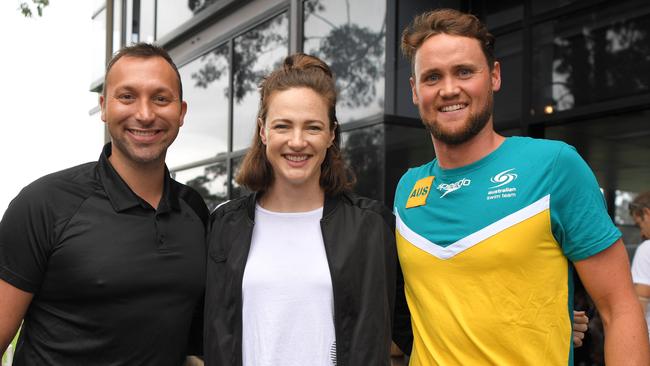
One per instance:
(183,111)
(102,106)
(495,75)
(260,123)
(414,93)
(333,133)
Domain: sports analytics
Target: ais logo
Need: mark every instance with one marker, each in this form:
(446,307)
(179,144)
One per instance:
(420,192)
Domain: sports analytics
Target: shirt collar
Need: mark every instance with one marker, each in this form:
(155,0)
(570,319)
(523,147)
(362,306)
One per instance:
(121,195)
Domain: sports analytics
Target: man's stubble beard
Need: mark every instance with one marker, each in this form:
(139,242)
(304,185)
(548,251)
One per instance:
(474,124)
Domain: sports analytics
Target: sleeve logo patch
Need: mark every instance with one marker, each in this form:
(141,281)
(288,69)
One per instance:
(420,192)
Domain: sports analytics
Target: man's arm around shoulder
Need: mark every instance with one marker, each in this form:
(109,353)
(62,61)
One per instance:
(13,305)
(606,276)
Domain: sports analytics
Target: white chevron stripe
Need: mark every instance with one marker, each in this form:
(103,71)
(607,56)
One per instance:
(474,238)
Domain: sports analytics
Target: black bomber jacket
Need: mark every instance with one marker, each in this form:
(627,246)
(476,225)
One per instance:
(369,303)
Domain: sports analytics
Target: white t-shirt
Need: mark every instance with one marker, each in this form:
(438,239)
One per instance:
(288,306)
(641,270)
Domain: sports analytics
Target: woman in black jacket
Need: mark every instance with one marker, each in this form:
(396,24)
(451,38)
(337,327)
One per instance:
(301,272)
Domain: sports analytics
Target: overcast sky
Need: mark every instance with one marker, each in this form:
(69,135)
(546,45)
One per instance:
(44,99)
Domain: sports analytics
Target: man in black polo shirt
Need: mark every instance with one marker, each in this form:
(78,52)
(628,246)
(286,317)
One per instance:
(105,262)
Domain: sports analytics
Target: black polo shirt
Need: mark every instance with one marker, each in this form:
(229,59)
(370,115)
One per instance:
(115,281)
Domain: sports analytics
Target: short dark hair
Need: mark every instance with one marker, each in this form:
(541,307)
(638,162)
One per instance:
(639,203)
(446,21)
(143,50)
(297,71)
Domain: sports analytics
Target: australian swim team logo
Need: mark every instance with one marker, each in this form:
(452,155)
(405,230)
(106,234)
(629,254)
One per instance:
(502,179)
(448,188)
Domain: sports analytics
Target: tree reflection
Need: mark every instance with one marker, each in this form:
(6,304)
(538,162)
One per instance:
(601,63)
(212,184)
(355,54)
(362,153)
(248,47)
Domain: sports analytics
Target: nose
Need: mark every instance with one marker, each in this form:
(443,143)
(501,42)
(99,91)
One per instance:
(449,89)
(297,140)
(145,111)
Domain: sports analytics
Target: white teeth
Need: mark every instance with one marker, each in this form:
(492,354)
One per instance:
(296,157)
(451,108)
(143,133)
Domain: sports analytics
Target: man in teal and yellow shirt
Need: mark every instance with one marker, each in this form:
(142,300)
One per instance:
(489,232)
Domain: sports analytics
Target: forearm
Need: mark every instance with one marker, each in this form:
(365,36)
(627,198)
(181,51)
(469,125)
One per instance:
(626,337)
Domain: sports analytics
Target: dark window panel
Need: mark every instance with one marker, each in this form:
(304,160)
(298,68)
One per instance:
(363,152)
(584,59)
(406,147)
(508,100)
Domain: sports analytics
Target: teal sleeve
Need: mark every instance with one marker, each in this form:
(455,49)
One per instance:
(579,218)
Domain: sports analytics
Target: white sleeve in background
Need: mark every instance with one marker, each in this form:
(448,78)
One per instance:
(641,264)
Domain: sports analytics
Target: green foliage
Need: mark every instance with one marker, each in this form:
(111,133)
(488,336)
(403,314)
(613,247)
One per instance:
(26,8)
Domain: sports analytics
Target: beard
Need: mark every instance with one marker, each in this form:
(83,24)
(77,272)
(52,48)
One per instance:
(153,155)
(473,125)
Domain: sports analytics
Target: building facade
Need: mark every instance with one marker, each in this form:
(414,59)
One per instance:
(572,70)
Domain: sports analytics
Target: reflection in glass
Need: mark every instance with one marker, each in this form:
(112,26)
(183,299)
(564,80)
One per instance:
(140,20)
(173,13)
(406,147)
(622,201)
(508,100)
(211,181)
(581,60)
(98,46)
(363,152)
(205,88)
(351,39)
(502,12)
(546,5)
(237,190)
(257,52)
(117,25)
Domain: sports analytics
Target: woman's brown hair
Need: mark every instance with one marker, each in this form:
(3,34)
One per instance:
(297,71)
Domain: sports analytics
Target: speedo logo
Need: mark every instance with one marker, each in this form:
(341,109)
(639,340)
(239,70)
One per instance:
(448,188)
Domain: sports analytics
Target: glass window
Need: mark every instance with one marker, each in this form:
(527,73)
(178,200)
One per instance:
(257,52)
(546,5)
(98,45)
(508,100)
(139,21)
(205,88)
(237,190)
(363,152)
(590,58)
(117,25)
(351,39)
(406,147)
(623,199)
(146,29)
(502,12)
(211,181)
(172,13)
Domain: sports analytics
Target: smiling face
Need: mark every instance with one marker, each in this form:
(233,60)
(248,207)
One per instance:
(296,135)
(453,87)
(142,110)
